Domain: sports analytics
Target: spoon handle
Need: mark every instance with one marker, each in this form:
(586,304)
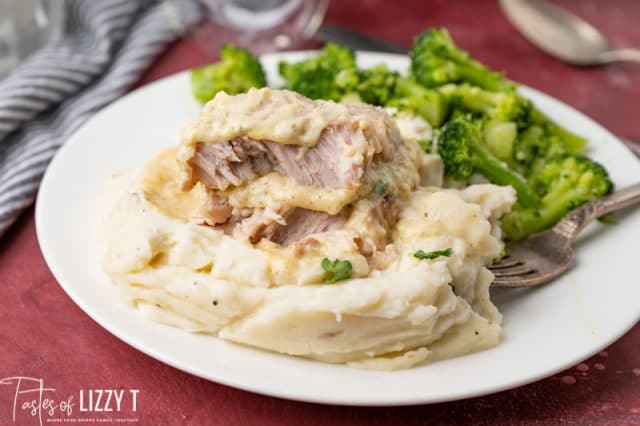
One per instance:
(624,54)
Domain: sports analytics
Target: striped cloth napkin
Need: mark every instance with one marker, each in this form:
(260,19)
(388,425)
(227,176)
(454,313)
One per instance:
(106,48)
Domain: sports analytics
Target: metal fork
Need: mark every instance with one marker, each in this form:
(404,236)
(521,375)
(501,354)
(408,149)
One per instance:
(545,256)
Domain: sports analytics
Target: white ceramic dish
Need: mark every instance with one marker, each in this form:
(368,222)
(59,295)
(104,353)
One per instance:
(546,329)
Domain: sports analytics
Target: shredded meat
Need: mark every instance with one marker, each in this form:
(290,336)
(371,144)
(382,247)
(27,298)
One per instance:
(288,225)
(327,164)
(224,164)
(283,227)
(301,223)
(379,218)
(217,209)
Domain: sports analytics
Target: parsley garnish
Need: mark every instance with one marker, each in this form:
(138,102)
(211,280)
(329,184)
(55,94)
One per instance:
(426,145)
(381,187)
(335,271)
(420,254)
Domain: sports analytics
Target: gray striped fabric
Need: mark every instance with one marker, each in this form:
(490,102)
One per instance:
(107,46)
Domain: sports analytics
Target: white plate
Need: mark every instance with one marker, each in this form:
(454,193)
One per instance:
(545,330)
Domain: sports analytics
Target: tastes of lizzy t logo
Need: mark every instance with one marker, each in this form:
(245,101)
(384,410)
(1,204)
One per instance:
(30,398)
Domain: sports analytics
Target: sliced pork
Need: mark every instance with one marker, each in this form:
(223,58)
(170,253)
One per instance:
(330,163)
(324,146)
(316,143)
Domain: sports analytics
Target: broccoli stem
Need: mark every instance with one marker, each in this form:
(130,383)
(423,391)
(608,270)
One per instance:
(573,143)
(472,98)
(500,138)
(429,104)
(497,172)
(473,71)
(520,223)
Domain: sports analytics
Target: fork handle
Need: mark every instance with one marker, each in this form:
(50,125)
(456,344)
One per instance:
(577,220)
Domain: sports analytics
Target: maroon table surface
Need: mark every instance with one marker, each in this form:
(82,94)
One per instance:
(44,335)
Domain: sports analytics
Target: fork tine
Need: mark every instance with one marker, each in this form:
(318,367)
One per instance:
(505,264)
(513,272)
(516,282)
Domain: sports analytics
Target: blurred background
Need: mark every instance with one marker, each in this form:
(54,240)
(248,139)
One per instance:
(607,93)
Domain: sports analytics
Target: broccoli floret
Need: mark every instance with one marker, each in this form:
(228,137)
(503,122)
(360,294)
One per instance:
(316,77)
(374,86)
(573,143)
(436,60)
(567,183)
(494,106)
(542,142)
(237,72)
(531,143)
(461,146)
(503,114)
(411,96)
(535,148)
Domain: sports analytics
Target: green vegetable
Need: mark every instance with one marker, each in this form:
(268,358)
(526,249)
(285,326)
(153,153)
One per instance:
(500,139)
(374,86)
(335,271)
(436,61)
(381,188)
(462,148)
(533,143)
(506,106)
(420,254)
(502,114)
(429,104)
(237,72)
(608,219)
(426,145)
(566,183)
(542,142)
(574,143)
(316,77)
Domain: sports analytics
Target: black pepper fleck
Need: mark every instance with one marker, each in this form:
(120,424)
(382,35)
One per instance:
(215,303)
(476,333)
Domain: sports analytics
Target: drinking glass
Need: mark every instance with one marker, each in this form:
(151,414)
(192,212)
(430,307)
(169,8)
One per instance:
(260,25)
(26,26)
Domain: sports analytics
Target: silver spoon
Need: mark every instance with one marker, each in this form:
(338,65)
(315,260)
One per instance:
(562,34)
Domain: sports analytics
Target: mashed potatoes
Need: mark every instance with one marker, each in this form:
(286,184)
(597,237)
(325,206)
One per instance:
(197,278)
(394,312)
